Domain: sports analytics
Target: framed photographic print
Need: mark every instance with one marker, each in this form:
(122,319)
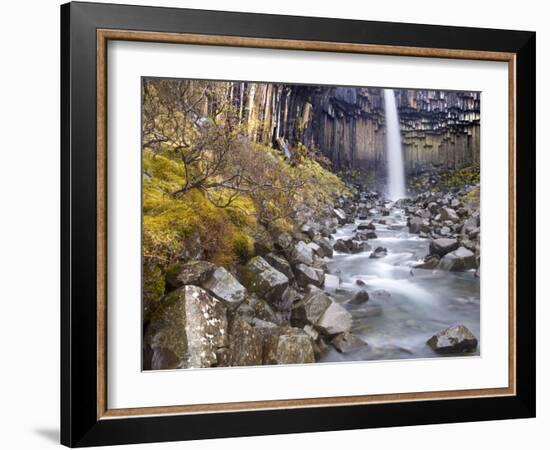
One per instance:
(276,224)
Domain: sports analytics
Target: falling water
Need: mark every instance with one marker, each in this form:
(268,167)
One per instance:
(396,171)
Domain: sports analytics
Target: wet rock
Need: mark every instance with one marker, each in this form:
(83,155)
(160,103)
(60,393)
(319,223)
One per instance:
(280,264)
(360,246)
(366,226)
(348,343)
(301,254)
(306,275)
(456,339)
(443,246)
(225,286)
(430,263)
(194,272)
(310,230)
(380,294)
(187,330)
(379,252)
(360,297)
(458,260)
(341,246)
(264,280)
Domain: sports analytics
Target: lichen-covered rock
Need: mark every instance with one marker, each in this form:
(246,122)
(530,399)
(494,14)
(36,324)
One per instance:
(187,330)
(348,343)
(194,272)
(306,275)
(443,246)
(301,254)
(340,216)
(264,280)
(458,261)
(221,284)
(245,343)
(288,345)
(280,264)
(456,339)
(282,241)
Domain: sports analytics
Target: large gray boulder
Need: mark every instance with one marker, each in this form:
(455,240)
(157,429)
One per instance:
(306,275)
(264,280)
(336,319)
(311,308)
(325,249)
(341,246)
(187,330)
(301,254)
(418,224)
(287,345)
(443,246)
(458,261)
(245,344)
(194,272)
(225,286)
(456,339)
(448,214)
(280,263)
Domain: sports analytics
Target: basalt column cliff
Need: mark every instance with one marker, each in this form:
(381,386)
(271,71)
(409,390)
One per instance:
(347,125)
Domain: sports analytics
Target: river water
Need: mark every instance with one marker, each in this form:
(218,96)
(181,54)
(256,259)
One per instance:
(406,306)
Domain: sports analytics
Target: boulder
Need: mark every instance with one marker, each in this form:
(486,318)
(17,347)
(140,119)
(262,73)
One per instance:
(336,319)
(430,263)
(287,345)
(448,214)
(280,263)
(264,280)
(458,260)
(340,215)
(341,246)
(245,344)
(456,339)
(348,343)
(194,272)
(325,249)
(417,225)
(187,330)
(306,275)
(311,308)
(360,246)
(301,254)
(331,282)
(360,297)
(443,246)
(224,286)
(379,252)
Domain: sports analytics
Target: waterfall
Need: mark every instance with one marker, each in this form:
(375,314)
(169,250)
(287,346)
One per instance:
(396,171)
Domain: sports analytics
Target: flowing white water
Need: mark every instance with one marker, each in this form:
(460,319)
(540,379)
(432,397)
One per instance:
(396,171)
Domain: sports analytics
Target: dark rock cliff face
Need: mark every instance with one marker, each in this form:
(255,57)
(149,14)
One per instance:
(347,125)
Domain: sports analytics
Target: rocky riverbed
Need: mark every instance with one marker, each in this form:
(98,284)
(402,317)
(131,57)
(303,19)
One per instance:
(370,279)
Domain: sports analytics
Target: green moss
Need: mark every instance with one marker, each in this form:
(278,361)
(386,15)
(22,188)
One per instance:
(243,246)
(153,288)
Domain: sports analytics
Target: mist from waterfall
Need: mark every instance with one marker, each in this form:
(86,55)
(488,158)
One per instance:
(396,171)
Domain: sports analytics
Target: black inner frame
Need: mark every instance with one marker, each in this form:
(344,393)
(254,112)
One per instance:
(79,424)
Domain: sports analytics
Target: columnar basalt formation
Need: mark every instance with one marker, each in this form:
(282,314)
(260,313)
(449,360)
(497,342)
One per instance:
(347,124)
